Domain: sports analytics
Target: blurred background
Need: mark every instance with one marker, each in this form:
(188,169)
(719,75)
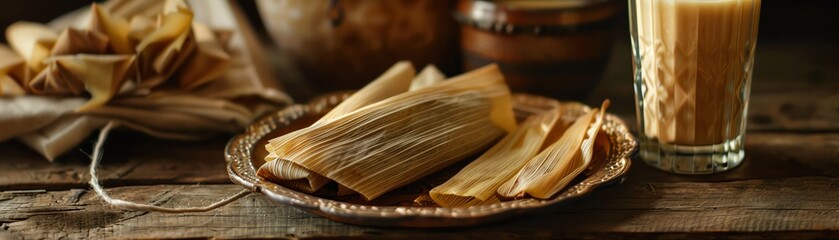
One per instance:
(811,20)
(786,26)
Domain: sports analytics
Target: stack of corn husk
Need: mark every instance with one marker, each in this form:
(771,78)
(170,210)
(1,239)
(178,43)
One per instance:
(400,128)
(172,69)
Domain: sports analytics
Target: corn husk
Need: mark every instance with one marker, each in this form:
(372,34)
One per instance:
(394,81)
(398,140)
(477,183)
(32,41)
(429,75)
(159,41)
(167,47)
(115,28)
(11,69)
(209,62)
(73,41)
(100,75)
(552,169)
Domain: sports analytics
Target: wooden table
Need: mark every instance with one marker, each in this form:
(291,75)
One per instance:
(788,186)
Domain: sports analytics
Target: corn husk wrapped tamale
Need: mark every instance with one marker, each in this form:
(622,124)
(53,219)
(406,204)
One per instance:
(395,141)
(429,75)
(394,81)
(552,169)
(477,183)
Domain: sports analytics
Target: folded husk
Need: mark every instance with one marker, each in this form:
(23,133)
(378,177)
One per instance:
(160,37)
(167,47)
(552,169)
(477,183)
(209,61)
(115,28)
(429,75)
(32,41)
(73,41)
(400,139)
(11,69)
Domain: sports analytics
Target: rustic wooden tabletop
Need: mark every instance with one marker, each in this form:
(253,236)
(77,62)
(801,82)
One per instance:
(788,186)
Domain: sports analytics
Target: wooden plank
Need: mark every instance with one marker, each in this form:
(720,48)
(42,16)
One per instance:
(130,159)
(802,207)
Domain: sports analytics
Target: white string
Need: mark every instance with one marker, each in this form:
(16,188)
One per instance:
(126,205)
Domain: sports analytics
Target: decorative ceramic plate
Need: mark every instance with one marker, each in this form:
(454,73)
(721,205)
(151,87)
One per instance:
(245,153)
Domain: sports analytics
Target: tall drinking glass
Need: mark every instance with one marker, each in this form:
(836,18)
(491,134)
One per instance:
(692,63)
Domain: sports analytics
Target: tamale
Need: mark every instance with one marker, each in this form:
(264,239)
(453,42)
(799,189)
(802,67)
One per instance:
(398,140)
(394,81)
(429,75)
(552,169)
(477,183)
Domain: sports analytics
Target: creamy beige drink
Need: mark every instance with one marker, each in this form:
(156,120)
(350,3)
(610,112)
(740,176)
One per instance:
(693,61)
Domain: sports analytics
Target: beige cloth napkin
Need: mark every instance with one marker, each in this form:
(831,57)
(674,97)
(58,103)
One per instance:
(224,104)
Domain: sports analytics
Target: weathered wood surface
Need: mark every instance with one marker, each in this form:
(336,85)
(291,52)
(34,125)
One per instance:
(751,207)
(784,187)
(130,159)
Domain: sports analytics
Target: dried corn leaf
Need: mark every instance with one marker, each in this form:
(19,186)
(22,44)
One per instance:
(600,154)
(400,139)
(100,75)
(32,41)
(115,28)
(555,167)
(394,81)
(73,41)
(9,87)
(139,27)
(209,61)
(55,80)
(429,75)
(12,68)
(167,47)
(477,183)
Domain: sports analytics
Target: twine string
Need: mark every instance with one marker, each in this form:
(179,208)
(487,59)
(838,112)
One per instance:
(96,157)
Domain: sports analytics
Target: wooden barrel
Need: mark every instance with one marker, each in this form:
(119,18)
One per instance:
(554,48)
